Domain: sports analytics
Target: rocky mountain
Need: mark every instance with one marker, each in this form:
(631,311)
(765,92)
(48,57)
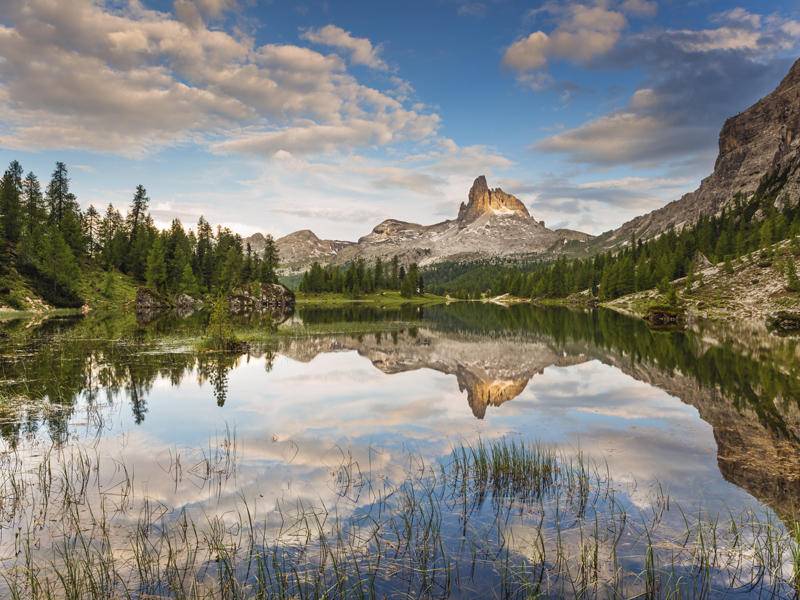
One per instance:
(299,249)
(491,224)
(759,151)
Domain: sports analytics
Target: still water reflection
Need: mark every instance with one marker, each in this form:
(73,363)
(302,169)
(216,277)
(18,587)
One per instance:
(710,417)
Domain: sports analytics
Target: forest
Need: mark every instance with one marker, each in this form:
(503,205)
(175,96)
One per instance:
(46,238)
(359,278)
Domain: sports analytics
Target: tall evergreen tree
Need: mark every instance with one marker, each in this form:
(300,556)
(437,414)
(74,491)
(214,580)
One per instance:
(269,262)
(33,200)
(58,193)
(11,202)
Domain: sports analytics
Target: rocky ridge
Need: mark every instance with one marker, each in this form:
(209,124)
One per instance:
(759,151)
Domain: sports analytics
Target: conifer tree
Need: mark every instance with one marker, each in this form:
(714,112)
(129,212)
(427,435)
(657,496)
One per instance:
(156,273)
(11,202)
(269,262)
(34,208)
(58,193)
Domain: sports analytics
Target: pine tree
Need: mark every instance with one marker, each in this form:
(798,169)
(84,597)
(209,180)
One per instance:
(269,262)
(11,202)
(156,272)
(410,284)
(378,281)
(188,282)
(91,230)
(35,211)
(204,254)
(58,193)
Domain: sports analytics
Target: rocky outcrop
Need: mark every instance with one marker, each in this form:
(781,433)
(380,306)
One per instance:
(483,201)
(186,304)
(784,322)
(150,304)
(759,150)
(272,298)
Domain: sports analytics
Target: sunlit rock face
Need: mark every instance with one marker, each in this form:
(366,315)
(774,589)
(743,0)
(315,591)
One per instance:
(482,393)
(483,201)
(758,148)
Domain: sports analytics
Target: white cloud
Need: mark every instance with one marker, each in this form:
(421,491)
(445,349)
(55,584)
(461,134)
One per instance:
(78,74)
(583,32)
(361,50)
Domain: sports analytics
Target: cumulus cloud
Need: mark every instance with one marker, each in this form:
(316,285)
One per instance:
(133,80)
(583,32)
(695,79)
(361,50)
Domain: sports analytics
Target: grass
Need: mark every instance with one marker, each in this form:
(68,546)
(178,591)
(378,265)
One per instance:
(498,520)
(106,291)
(383,299)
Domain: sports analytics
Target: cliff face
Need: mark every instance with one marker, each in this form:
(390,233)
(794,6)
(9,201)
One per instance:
(483,201)
(759,150)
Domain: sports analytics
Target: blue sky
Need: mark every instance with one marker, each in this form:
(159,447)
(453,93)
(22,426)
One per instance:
(276,116)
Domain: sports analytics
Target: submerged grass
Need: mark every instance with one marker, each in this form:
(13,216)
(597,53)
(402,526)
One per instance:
(502,519)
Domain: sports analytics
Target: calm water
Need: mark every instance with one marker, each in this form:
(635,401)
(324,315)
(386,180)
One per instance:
(708,419)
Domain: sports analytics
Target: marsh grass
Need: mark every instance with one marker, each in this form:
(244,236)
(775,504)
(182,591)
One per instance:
(500,519)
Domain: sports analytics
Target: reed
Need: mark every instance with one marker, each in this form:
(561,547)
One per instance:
(502,519)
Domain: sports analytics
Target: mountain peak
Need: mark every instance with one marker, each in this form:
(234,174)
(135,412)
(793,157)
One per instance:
(483,200)
(302,234)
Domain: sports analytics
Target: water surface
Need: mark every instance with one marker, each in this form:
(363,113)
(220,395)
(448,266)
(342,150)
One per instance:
(707,419)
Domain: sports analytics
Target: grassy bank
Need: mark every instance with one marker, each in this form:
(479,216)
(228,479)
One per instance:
(381,299)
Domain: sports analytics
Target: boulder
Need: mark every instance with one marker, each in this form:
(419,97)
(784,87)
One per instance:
(150,304)
(186,304)
(273,298)
(661,316)
(784,322)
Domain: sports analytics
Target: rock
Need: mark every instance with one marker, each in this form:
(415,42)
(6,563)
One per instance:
(784,322)
(274,298)
(482,200)
(150,304)
(701,262)
(186,304)
(661,316)
(299,249)
(148,301)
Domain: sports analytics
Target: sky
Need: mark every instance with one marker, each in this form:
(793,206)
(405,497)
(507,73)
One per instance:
(275,116)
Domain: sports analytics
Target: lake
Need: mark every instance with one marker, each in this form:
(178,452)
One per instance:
(464,450)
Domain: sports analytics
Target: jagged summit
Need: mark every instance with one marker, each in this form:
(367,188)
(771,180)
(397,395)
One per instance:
(483,200)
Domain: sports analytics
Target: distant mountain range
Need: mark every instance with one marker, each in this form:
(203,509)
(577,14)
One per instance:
(491,224)
(759,151)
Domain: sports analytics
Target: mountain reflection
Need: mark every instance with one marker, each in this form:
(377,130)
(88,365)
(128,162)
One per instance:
(747,388)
